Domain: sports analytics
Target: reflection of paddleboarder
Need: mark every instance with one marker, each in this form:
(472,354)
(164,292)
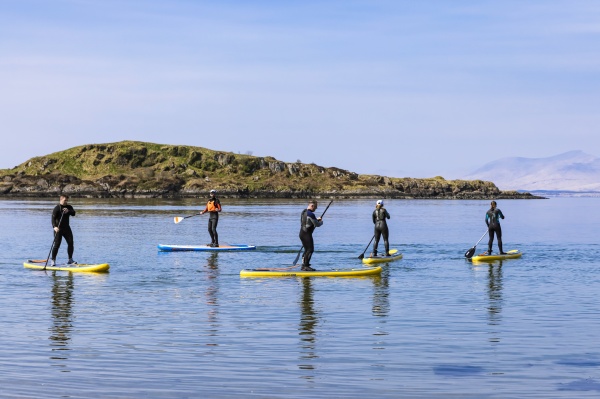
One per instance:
(307,329)
(62,313)
(492,219)
(60,223)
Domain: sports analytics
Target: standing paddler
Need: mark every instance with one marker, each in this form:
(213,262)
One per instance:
(60,224)
(213,207)
(308,223)
(380,214)
(492,219)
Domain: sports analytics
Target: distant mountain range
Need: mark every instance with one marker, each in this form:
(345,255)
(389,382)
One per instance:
(573,171)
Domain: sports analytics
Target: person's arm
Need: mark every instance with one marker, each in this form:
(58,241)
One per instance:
(316,222)
(313,219)
(374,217)
(55,212)
(501,214)
(71,210)
(205,210)
(387,214)
(487,221)
(218,205)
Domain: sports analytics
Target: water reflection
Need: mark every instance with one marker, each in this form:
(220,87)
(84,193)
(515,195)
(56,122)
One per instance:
(62,317)
(211,294)
(381,294)
(309,319)
(495,298)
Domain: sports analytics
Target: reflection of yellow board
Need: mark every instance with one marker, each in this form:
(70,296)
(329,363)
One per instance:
(394,255)
(39,265)
(513,254)
(363,271)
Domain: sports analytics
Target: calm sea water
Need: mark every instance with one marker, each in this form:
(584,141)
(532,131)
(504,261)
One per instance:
(177,325)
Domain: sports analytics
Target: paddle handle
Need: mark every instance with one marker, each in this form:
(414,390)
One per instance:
(328,205)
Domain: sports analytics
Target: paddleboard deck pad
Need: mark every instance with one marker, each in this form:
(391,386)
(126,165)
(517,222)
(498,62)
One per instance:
(357,272)
(512,254)
(224,247)
(394,255)
(85,268)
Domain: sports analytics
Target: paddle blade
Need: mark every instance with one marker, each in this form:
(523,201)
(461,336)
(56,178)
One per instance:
(361,256)
(469,253)
(177,219)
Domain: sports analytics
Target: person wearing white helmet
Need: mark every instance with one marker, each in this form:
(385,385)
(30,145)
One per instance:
(380,214)
(213,207)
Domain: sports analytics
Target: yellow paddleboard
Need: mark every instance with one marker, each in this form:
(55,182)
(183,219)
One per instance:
(39,265)
(513,254)
(394,255)
(363,271)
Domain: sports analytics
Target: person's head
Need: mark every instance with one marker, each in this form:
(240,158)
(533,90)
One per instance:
(493,204)
(64,198)
(213,192)
(312,205)
(379,204)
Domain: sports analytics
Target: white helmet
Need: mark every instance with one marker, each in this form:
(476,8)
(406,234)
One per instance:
(380,202)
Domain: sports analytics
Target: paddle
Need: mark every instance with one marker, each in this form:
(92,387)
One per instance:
(300,251)
(53,241)
(363,252)
(178,219)
(471,251)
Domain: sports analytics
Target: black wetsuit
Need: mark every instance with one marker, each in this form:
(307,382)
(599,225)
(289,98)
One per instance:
(64,230)
(308,223)
(492,219)
(213,220)
(381,229)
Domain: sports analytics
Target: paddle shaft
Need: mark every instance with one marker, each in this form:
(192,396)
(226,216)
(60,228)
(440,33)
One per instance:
(481,238)
(471,251)
(178,219)
(53,241)
(300,251)
(363,252)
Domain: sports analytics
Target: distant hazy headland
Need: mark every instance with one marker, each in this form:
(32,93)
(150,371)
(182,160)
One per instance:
(573,172)
(138,169)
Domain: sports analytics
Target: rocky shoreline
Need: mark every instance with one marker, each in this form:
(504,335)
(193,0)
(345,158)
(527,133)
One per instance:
(146,170)
(107,187)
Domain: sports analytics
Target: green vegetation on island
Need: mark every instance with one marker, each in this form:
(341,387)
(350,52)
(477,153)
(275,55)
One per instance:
(139,169)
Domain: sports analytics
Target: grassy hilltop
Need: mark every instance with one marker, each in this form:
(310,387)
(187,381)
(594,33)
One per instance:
(139,169)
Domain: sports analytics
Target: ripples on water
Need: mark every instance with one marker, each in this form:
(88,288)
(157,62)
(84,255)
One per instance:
(185,324)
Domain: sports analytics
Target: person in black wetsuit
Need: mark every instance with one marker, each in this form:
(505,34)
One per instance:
(213,207)
(60,223)
(492,219)
(308,223)
(380,214)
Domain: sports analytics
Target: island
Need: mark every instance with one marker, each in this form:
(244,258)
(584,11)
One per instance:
(137,169)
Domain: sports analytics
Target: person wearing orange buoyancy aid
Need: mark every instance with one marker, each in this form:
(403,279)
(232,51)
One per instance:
(213,207)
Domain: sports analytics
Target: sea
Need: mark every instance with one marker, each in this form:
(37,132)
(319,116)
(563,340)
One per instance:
(186,325)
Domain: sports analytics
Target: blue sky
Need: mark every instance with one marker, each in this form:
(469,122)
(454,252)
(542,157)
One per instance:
(399,88)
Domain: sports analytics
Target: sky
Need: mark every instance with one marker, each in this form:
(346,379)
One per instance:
(397,88)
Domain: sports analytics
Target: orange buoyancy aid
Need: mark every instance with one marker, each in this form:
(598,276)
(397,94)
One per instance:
(213,205)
